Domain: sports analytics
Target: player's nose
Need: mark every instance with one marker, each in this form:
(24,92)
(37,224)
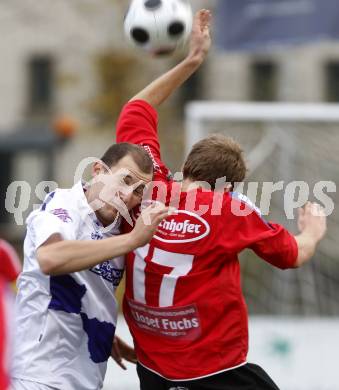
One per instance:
(126,197)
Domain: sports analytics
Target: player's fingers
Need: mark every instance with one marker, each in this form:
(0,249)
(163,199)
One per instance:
(206,17)
(162,215)
(206,31)
(116,355)
(161,208)
(131,359)
(317,210)
(153,208)
(160,212)
(150,214)
(308,205)
(115,351)
(197,19)
(126,351)
(119,361)
(121,364)
(204,20)
(159,217)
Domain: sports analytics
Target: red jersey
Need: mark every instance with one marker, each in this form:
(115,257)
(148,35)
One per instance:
(183,301)
(9,270)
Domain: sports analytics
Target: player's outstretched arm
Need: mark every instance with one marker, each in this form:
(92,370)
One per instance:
(59,257)
(312,225)
(160,89)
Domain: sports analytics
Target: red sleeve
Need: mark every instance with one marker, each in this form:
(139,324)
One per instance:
(270,241)
(9,262)
(138,124)
(277,245)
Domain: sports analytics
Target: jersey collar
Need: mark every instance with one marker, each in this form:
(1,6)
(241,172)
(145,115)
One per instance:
(87,212)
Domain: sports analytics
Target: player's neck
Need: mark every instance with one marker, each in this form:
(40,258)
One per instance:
(189,185)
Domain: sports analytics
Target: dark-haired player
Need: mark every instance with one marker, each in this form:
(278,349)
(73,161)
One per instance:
(66,310)
(183,301)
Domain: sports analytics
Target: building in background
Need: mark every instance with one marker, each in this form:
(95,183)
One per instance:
(61,58)
(71,57)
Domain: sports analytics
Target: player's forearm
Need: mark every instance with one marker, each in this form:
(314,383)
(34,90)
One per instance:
(65,257)
(306,248)
(160,89)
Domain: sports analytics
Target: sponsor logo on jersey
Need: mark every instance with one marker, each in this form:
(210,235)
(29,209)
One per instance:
(62,214)
(109,273)
(97,235)
(183,227)
(180,323)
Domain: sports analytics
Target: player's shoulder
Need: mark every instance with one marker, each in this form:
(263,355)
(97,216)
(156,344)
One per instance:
(239,207)
(63,203)
(63,198)
(238,197)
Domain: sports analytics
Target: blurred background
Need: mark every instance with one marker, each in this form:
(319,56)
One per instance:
(65,72)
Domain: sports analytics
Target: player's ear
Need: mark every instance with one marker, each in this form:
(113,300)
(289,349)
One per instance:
(229,187)
(97,168)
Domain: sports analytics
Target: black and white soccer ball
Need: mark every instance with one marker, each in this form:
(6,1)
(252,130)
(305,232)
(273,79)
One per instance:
(158,26)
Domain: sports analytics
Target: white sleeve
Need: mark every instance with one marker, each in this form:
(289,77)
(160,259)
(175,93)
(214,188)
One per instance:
(46,223)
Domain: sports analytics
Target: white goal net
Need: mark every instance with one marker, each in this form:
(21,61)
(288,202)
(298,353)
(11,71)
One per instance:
(288,143)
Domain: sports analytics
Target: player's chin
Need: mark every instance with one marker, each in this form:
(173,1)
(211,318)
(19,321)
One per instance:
(108,214)
(112,213)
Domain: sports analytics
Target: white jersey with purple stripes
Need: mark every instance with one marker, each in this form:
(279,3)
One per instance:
(65,324)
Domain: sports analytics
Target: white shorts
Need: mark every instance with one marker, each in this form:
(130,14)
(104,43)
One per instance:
(18,384)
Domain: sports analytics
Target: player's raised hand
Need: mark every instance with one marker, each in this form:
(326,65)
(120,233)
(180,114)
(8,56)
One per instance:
(200,41)
(312,221)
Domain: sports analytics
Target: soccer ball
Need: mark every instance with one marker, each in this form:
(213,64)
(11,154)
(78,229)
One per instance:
(158,26)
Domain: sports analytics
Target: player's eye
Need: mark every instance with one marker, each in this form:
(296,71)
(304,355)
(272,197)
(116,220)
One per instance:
(139,191)
(127,180)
